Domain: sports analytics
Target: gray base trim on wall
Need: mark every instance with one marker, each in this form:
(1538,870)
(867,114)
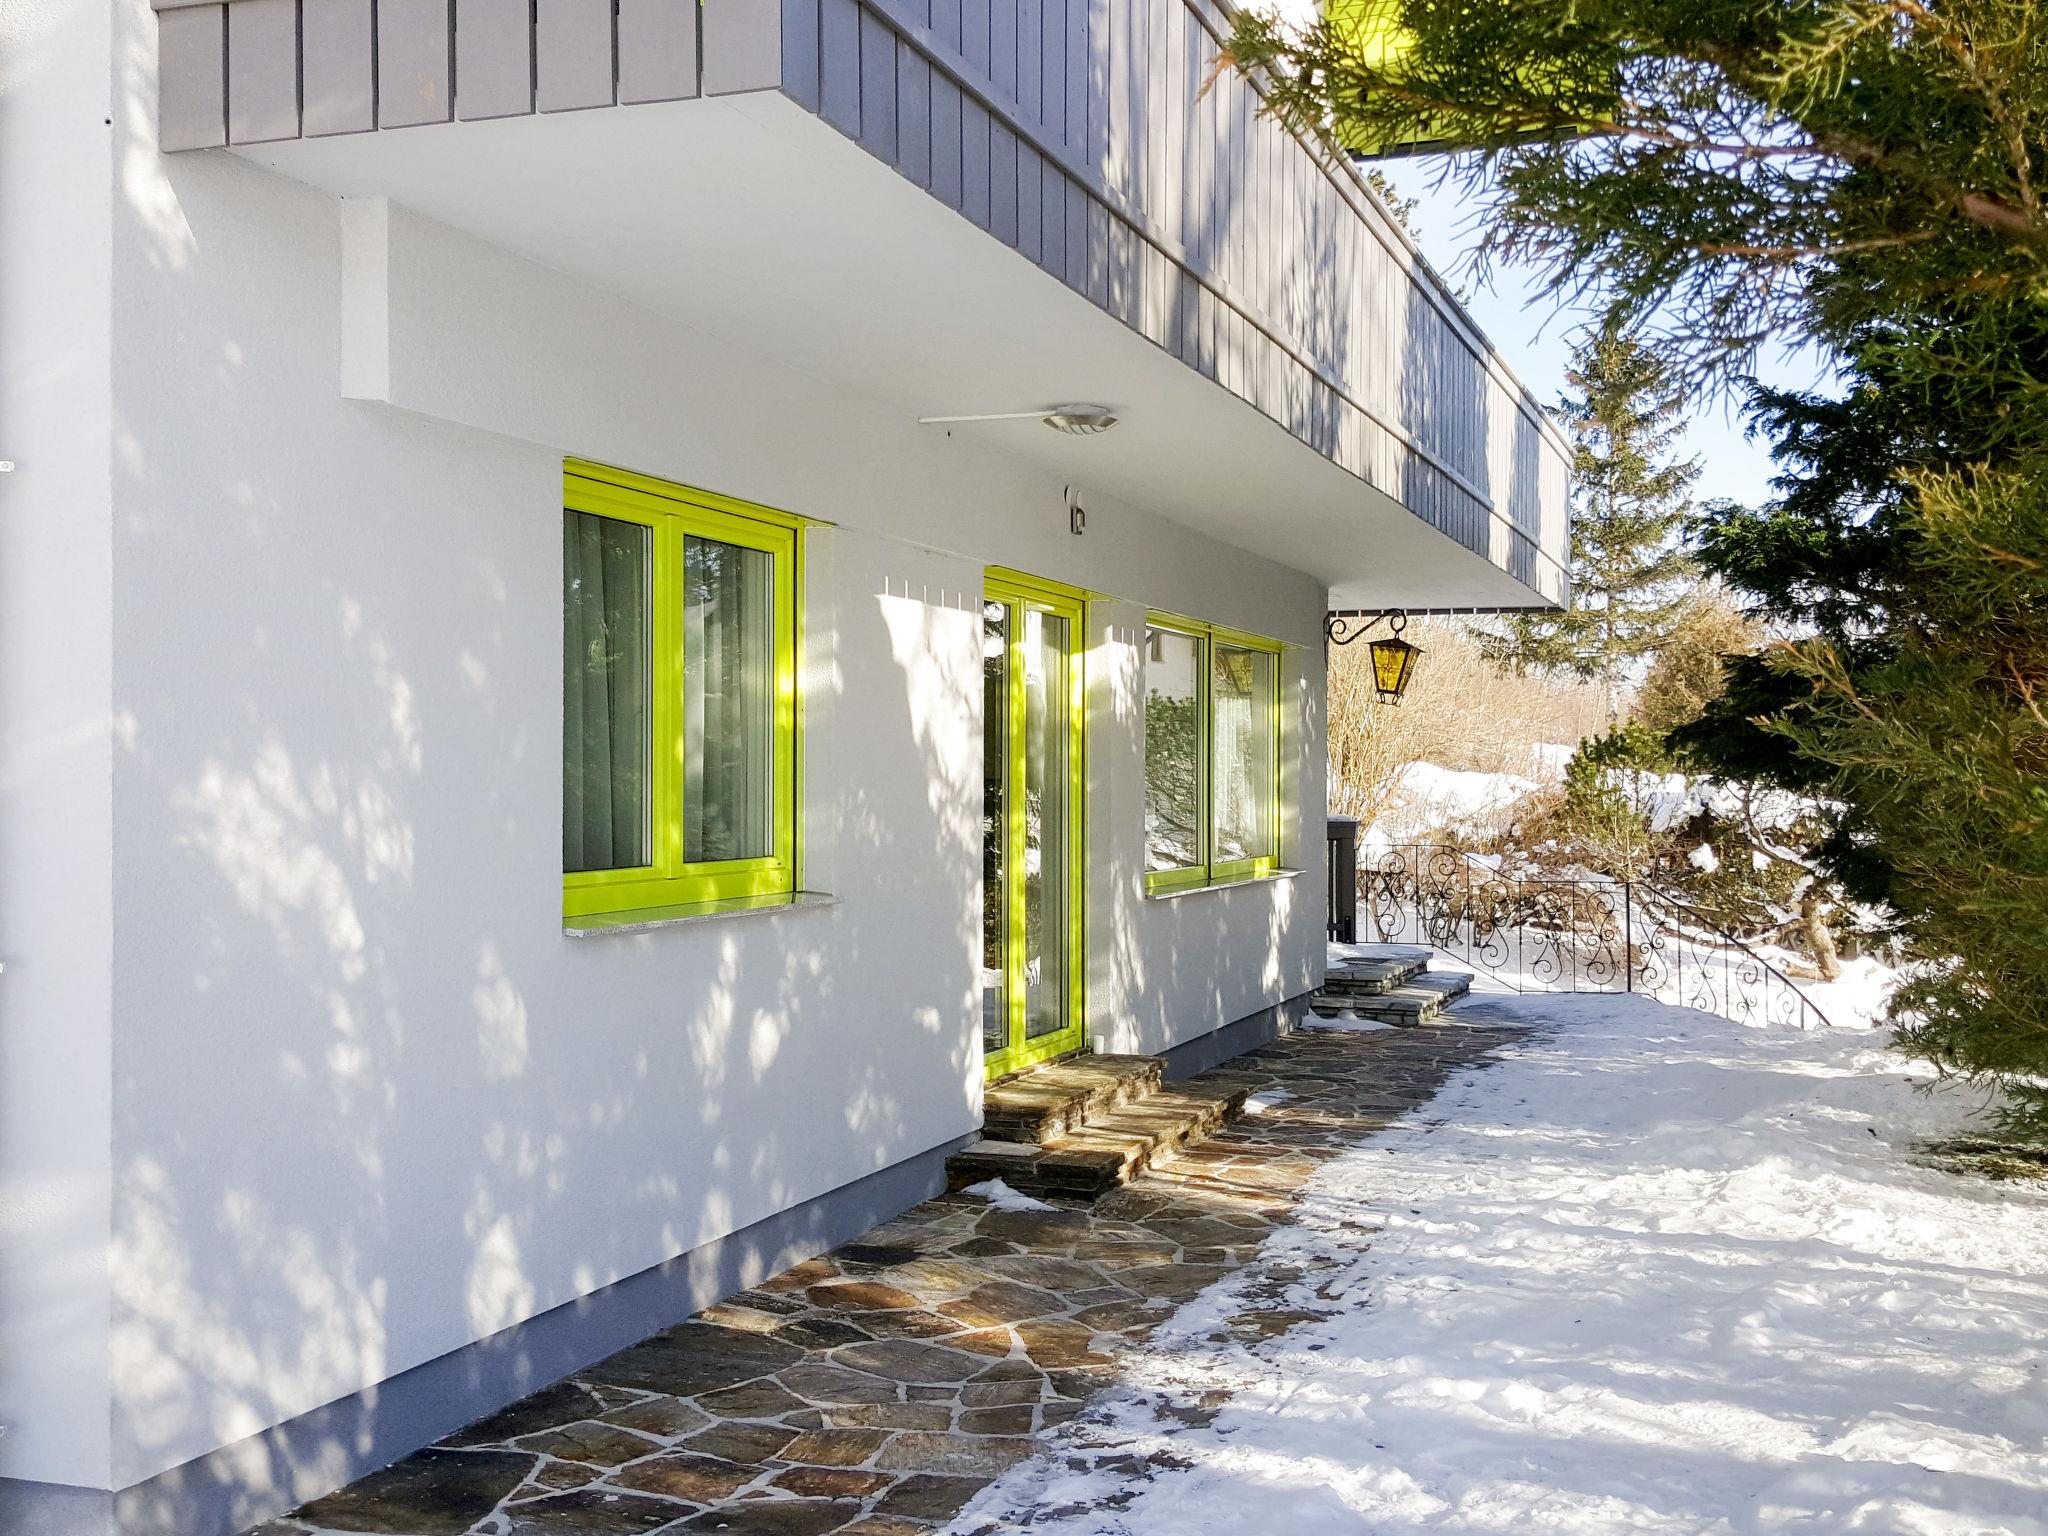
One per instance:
(54,1509)
(263,1476)
(1234,1039)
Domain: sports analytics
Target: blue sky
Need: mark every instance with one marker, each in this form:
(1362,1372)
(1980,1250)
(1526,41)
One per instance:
(1536,335)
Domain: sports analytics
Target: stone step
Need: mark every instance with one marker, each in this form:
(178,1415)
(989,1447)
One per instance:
(1371,974)
(1416,1001)
(1112,1147)
(1038,1106)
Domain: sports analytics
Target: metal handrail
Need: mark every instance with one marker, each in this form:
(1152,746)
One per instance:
(1573,934)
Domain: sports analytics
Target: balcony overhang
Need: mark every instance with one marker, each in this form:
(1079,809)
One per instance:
(749,219)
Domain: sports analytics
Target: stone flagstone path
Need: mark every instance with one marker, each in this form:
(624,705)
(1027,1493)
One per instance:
(875,1390)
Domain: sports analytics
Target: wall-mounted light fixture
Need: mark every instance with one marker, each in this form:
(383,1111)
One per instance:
(1393,659)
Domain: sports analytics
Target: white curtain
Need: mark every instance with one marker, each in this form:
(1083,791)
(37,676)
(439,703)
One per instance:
(728,701)
(605,702)
(1242,695)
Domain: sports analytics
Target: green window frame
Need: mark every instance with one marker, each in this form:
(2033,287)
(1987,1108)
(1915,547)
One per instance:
(673,515)
(1212,862)
(1022,592)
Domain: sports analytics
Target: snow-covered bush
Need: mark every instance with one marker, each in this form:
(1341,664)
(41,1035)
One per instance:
(1738,854)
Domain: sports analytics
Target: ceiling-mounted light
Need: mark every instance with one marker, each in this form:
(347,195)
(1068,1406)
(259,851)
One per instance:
(1080,420)
(1074,420)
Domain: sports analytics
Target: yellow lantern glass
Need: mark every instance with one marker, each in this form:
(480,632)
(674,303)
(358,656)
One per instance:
(1393,664)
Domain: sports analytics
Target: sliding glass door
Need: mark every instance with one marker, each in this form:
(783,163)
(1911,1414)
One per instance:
(1033,987)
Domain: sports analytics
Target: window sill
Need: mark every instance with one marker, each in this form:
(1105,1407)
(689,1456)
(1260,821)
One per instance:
(647,919)
(1226,885)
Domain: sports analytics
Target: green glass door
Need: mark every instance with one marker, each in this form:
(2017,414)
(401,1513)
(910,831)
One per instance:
(1033,986)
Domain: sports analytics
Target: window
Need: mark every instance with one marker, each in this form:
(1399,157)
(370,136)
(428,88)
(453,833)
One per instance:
(678,696)
(1173,751)
(1212,755)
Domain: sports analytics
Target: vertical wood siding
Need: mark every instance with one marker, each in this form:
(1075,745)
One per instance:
(1084,139)
(1077,132)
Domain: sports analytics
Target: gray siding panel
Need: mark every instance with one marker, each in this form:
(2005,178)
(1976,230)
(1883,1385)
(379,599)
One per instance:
(1052,68)
(263,71)
(573,52)
(658,49)
(1076,268)
(799,50)
(192,85)
(977,133)
(1078,74)
(742,45)
(1052,219)
(839,61)
(1030,200)
(913,114)
(338,72)
(1002,183)
(1002,47)
(1126,285)
(1098,254)
(413,63)
(945,138)
(976,25)
(877,87)
(1031,61)
(493,58)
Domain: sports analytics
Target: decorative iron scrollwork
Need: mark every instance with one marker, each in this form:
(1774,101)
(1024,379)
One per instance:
(1564,934)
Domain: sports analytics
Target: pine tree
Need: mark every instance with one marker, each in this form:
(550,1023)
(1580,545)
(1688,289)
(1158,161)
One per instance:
(1629,504)
(1686,676)
(1862,176)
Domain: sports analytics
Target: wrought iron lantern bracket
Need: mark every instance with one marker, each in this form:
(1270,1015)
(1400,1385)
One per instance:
(1343,628)
(1393,659)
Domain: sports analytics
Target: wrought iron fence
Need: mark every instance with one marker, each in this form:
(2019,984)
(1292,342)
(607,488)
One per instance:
(1557,934)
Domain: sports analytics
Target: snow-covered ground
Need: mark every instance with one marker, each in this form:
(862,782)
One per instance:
(1432,801)
(1653,1271)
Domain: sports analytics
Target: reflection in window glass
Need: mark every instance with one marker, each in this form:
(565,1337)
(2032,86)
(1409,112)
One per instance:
(728,701)
(1173,750)
(607,570)
(995,826)
(1048,846)
(1243,689)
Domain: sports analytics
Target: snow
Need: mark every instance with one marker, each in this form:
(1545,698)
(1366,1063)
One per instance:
(1858,1000)
(1704,859)
(1459,792)
(1266,1101)
(1431,800)
(1350,1024)
(1669,800)
(1653,1271)
(1004,1198)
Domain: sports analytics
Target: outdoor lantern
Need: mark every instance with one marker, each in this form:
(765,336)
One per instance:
(1393,659)
(1393,663)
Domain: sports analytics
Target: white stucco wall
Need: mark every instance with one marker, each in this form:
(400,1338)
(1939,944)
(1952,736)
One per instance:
(1166,969)
(56,175)
(369,1103)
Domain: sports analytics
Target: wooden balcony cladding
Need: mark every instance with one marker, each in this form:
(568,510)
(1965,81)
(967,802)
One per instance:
(1078,132)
